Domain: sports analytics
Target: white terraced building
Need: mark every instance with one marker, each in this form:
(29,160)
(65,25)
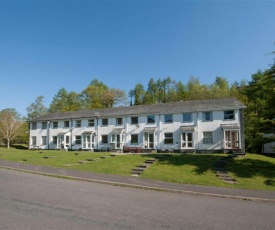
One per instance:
(189,126)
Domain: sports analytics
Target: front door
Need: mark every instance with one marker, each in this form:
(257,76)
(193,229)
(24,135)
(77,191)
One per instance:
(60,141)
(88,141)
(187,140)
(149,141)
(232,139)
(116,141)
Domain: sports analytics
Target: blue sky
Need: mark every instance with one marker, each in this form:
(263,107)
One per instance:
(47,45)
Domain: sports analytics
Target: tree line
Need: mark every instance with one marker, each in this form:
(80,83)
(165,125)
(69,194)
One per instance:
(258,95)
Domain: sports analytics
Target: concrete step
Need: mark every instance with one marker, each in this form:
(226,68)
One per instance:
(138,169)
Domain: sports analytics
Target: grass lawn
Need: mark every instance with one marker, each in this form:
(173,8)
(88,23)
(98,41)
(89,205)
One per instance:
(252,172)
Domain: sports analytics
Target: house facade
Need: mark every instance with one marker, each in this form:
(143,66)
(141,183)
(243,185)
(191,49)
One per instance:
(188,126)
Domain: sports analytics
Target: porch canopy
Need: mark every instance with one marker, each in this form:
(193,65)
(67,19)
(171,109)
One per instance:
(188,128)
(230,127)
(62,133)
(149,129)
(117,131)
(89,132)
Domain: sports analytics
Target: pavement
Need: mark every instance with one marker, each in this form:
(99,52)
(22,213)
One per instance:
(142,183)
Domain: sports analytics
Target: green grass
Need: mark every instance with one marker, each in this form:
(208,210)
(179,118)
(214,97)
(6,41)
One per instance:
(252,172)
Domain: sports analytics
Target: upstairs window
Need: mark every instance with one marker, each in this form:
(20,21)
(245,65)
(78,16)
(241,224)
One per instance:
(66,124)
(105,121)
(168,118)
(55,125)
(187,117)
(44,125)
(207,116)
(229,115)
(78,123)
(119,121)
(151,119)
(34,126)
(134,120)
(91,123)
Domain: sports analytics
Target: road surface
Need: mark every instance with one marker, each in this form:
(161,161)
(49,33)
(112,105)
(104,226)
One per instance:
(29,201)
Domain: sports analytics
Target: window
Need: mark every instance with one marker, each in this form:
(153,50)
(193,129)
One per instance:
(54,139)
(207,116)
(134,139)
(33,140)
(44,125)
(168,118)
(66,124)
(55,125)
(187,117)
(78,140)
(151,119)
(34,126)
(44,140)
(91,123)
(104,139)
(168,138)
(134,120)
(105,121)
(119,121)
(229,115)
(207,138)
(78,123)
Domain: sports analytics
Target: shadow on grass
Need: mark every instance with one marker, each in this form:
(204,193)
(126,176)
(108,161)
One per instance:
(249,168)
(243,168)
(202,162)
(19,146)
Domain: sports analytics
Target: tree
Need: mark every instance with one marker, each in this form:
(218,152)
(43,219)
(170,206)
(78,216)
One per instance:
(11,125)
(260,111)
(66,101)
(98,95)
(37,108)
(139,94)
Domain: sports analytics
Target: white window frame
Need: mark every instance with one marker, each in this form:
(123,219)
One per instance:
(167,138)
(229,115)
(43,140)
(91,122)
(34,140)
(104,121)
(187,117)
(207,116)
(151,119)
(55,124)
(78,123)
(168,118)
(134,141)
(44,125)
(66,124)
(78,140)
(208,138)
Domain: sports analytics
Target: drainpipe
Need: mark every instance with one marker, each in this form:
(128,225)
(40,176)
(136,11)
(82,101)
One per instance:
(29,135)
(96,118)
(48,133)
(71,144)
(197,132)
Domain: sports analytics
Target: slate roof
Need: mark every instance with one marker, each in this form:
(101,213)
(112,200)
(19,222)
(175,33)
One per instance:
(160,108)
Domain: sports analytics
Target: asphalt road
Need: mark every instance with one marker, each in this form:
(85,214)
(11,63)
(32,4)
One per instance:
(29,201)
